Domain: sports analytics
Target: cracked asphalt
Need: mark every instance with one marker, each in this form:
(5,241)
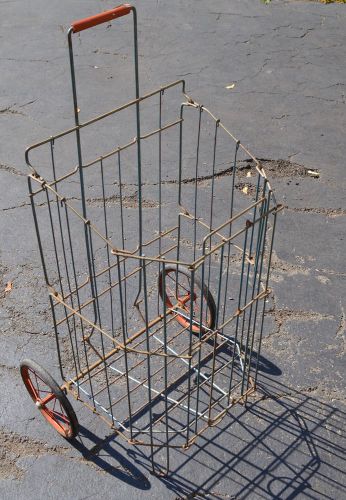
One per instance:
(284,64)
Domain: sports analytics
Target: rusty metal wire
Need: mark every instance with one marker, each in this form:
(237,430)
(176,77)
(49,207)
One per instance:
(156,253)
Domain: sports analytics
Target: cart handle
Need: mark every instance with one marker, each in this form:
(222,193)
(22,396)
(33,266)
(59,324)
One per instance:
(103,17)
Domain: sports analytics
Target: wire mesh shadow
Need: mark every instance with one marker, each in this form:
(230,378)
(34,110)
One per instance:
(110,460)
(278,447)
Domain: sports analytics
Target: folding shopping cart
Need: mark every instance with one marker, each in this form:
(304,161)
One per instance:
(156,252)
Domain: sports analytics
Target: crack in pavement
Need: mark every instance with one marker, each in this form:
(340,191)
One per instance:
(326,99)
(277,168)
(9,109)
(219,14)
(9,368)
(328,212)
(291,269)
(284,314)
(129,201)
(11,170)
(287,267)
(341,331)
(24,204)
(265,62)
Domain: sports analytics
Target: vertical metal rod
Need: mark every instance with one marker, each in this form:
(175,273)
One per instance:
(259,256)
(233,186)
(138,141)
(216,334)
(178,236)
(211,212)
(180,165)
(247,357)
(122,236)
(57,203)
(59,272)
(247,315)
(248,267)
(146,316)
(165,343)
(57,338)
(230,226)
(107,246)
(124,331)
(39,241)
(78,299)
(260,252)
(239,309)
(196,184)
(160,192)
(198,369)
(266,287)
(190,359)
(80,160)
(99,321)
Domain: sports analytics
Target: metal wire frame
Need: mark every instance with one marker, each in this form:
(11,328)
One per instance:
(163,384)
(200,352)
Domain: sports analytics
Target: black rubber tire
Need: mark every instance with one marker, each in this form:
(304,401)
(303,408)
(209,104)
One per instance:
(56,390)
(197,283)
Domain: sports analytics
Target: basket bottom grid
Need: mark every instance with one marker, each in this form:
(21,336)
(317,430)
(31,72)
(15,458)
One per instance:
(173,395)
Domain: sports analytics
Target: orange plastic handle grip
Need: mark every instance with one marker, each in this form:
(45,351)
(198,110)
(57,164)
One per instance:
(103,17)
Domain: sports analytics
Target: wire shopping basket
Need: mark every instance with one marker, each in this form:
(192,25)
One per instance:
(156,252)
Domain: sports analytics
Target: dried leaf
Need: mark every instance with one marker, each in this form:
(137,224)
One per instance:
(245,189)
(78,110)
(313,173)
(248,174)
(230,86)
(9,286)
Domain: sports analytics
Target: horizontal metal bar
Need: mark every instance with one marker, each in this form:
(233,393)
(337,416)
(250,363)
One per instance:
(39,179)
(198,262)
(129,144)
(112,266)
(136,365)
(103,292)
(100,117)
(114,250)
(232,219)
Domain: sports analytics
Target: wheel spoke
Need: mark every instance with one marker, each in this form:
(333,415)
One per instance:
(179,283)
(32,387)
(172,294)
(63,414)
(57,417)
(62,417)
(37,385)
(178,289)
(49,400)
(39,381)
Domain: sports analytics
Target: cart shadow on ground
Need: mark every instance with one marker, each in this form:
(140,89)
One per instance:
(108,459)
(281,445)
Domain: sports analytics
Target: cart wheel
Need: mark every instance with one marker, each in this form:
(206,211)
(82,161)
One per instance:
(178,286)
(49,398)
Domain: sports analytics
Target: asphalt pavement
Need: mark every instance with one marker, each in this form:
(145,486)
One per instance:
(276,76)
